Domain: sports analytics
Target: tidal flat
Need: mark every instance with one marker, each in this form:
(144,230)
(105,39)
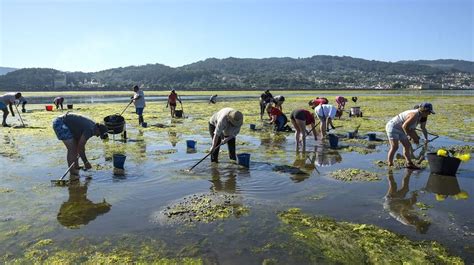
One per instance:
(288,207)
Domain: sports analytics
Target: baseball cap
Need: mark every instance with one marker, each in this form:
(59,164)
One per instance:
(427,106)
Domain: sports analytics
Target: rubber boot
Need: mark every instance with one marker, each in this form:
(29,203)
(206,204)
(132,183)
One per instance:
(140,120)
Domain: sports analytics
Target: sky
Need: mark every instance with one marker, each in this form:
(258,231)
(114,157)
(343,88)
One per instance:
(92,35)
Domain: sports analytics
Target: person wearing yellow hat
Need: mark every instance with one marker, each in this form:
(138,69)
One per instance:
(402,127)
(224,126)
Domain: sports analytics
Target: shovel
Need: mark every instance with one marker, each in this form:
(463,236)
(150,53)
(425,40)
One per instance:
(210,152)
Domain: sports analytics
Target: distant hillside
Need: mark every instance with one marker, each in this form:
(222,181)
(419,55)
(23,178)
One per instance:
(445,64)
(317,72)
(4,70)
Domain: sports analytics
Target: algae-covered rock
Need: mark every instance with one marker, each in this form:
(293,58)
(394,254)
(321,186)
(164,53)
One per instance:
(323,240)
(354,174)
(400,163)
(203,208)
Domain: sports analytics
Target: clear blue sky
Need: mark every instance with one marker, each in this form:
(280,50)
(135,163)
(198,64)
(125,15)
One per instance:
(90,35)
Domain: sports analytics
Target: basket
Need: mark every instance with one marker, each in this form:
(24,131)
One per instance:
(114,123)
(443,165)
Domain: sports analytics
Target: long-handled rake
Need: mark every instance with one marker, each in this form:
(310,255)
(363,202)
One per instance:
(210,152)
(19,115)
(61,181)
(314,127)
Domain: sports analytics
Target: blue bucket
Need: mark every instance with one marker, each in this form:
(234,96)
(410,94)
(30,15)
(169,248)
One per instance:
(244,159)
(350,135)
(333,140)
(253,126)
(144,124)
(372,136)
(119,161)
(191,144)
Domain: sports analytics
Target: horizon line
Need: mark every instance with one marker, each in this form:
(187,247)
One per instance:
(242,58)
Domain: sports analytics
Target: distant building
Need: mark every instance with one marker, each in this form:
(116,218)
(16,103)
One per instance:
(425,86)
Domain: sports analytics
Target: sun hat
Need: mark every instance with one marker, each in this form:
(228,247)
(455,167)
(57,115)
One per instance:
(427,107)
(236,118)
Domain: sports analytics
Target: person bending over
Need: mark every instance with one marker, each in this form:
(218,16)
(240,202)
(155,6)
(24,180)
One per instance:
(224,126)
(58,101)
(402,128)
(75,130)
(8,99)
(301,118)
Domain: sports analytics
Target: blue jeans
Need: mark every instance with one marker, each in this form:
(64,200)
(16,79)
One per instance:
(139,111)
(280,122)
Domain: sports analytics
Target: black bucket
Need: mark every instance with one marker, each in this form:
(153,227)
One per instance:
(70,106)
(178,113)
(443,165)
(444,185)
(114,123)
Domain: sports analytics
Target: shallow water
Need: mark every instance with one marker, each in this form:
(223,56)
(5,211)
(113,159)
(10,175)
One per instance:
(92,97)
(108,207)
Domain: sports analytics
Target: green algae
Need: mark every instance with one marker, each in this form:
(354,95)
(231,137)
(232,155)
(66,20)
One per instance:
(5,190)
(354,174)
(423,206)
(45,253)
(323,240)
(204,208)
(401,163)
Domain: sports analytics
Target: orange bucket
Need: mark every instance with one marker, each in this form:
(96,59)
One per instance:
(49,107)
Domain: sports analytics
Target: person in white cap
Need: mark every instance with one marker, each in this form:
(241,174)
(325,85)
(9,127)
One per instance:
(402,128)
(224,126)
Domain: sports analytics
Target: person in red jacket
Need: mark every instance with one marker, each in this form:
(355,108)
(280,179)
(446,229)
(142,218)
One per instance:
(318,101)
(277,117)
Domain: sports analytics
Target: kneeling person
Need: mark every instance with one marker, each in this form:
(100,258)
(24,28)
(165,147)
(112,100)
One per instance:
(277,117)
(74,130)
(224,126)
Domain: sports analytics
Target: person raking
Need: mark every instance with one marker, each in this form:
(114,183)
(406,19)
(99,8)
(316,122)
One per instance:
(75,130)
(8,99)
(224,126)
(300,118)
(138,100)
(402,128)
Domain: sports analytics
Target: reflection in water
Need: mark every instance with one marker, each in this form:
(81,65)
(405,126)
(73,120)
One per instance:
(173,138)
(444,186)
(78,210)
(305,160)
(141,156)
(272,139)
(326,157)
(401,208)
(229,184)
